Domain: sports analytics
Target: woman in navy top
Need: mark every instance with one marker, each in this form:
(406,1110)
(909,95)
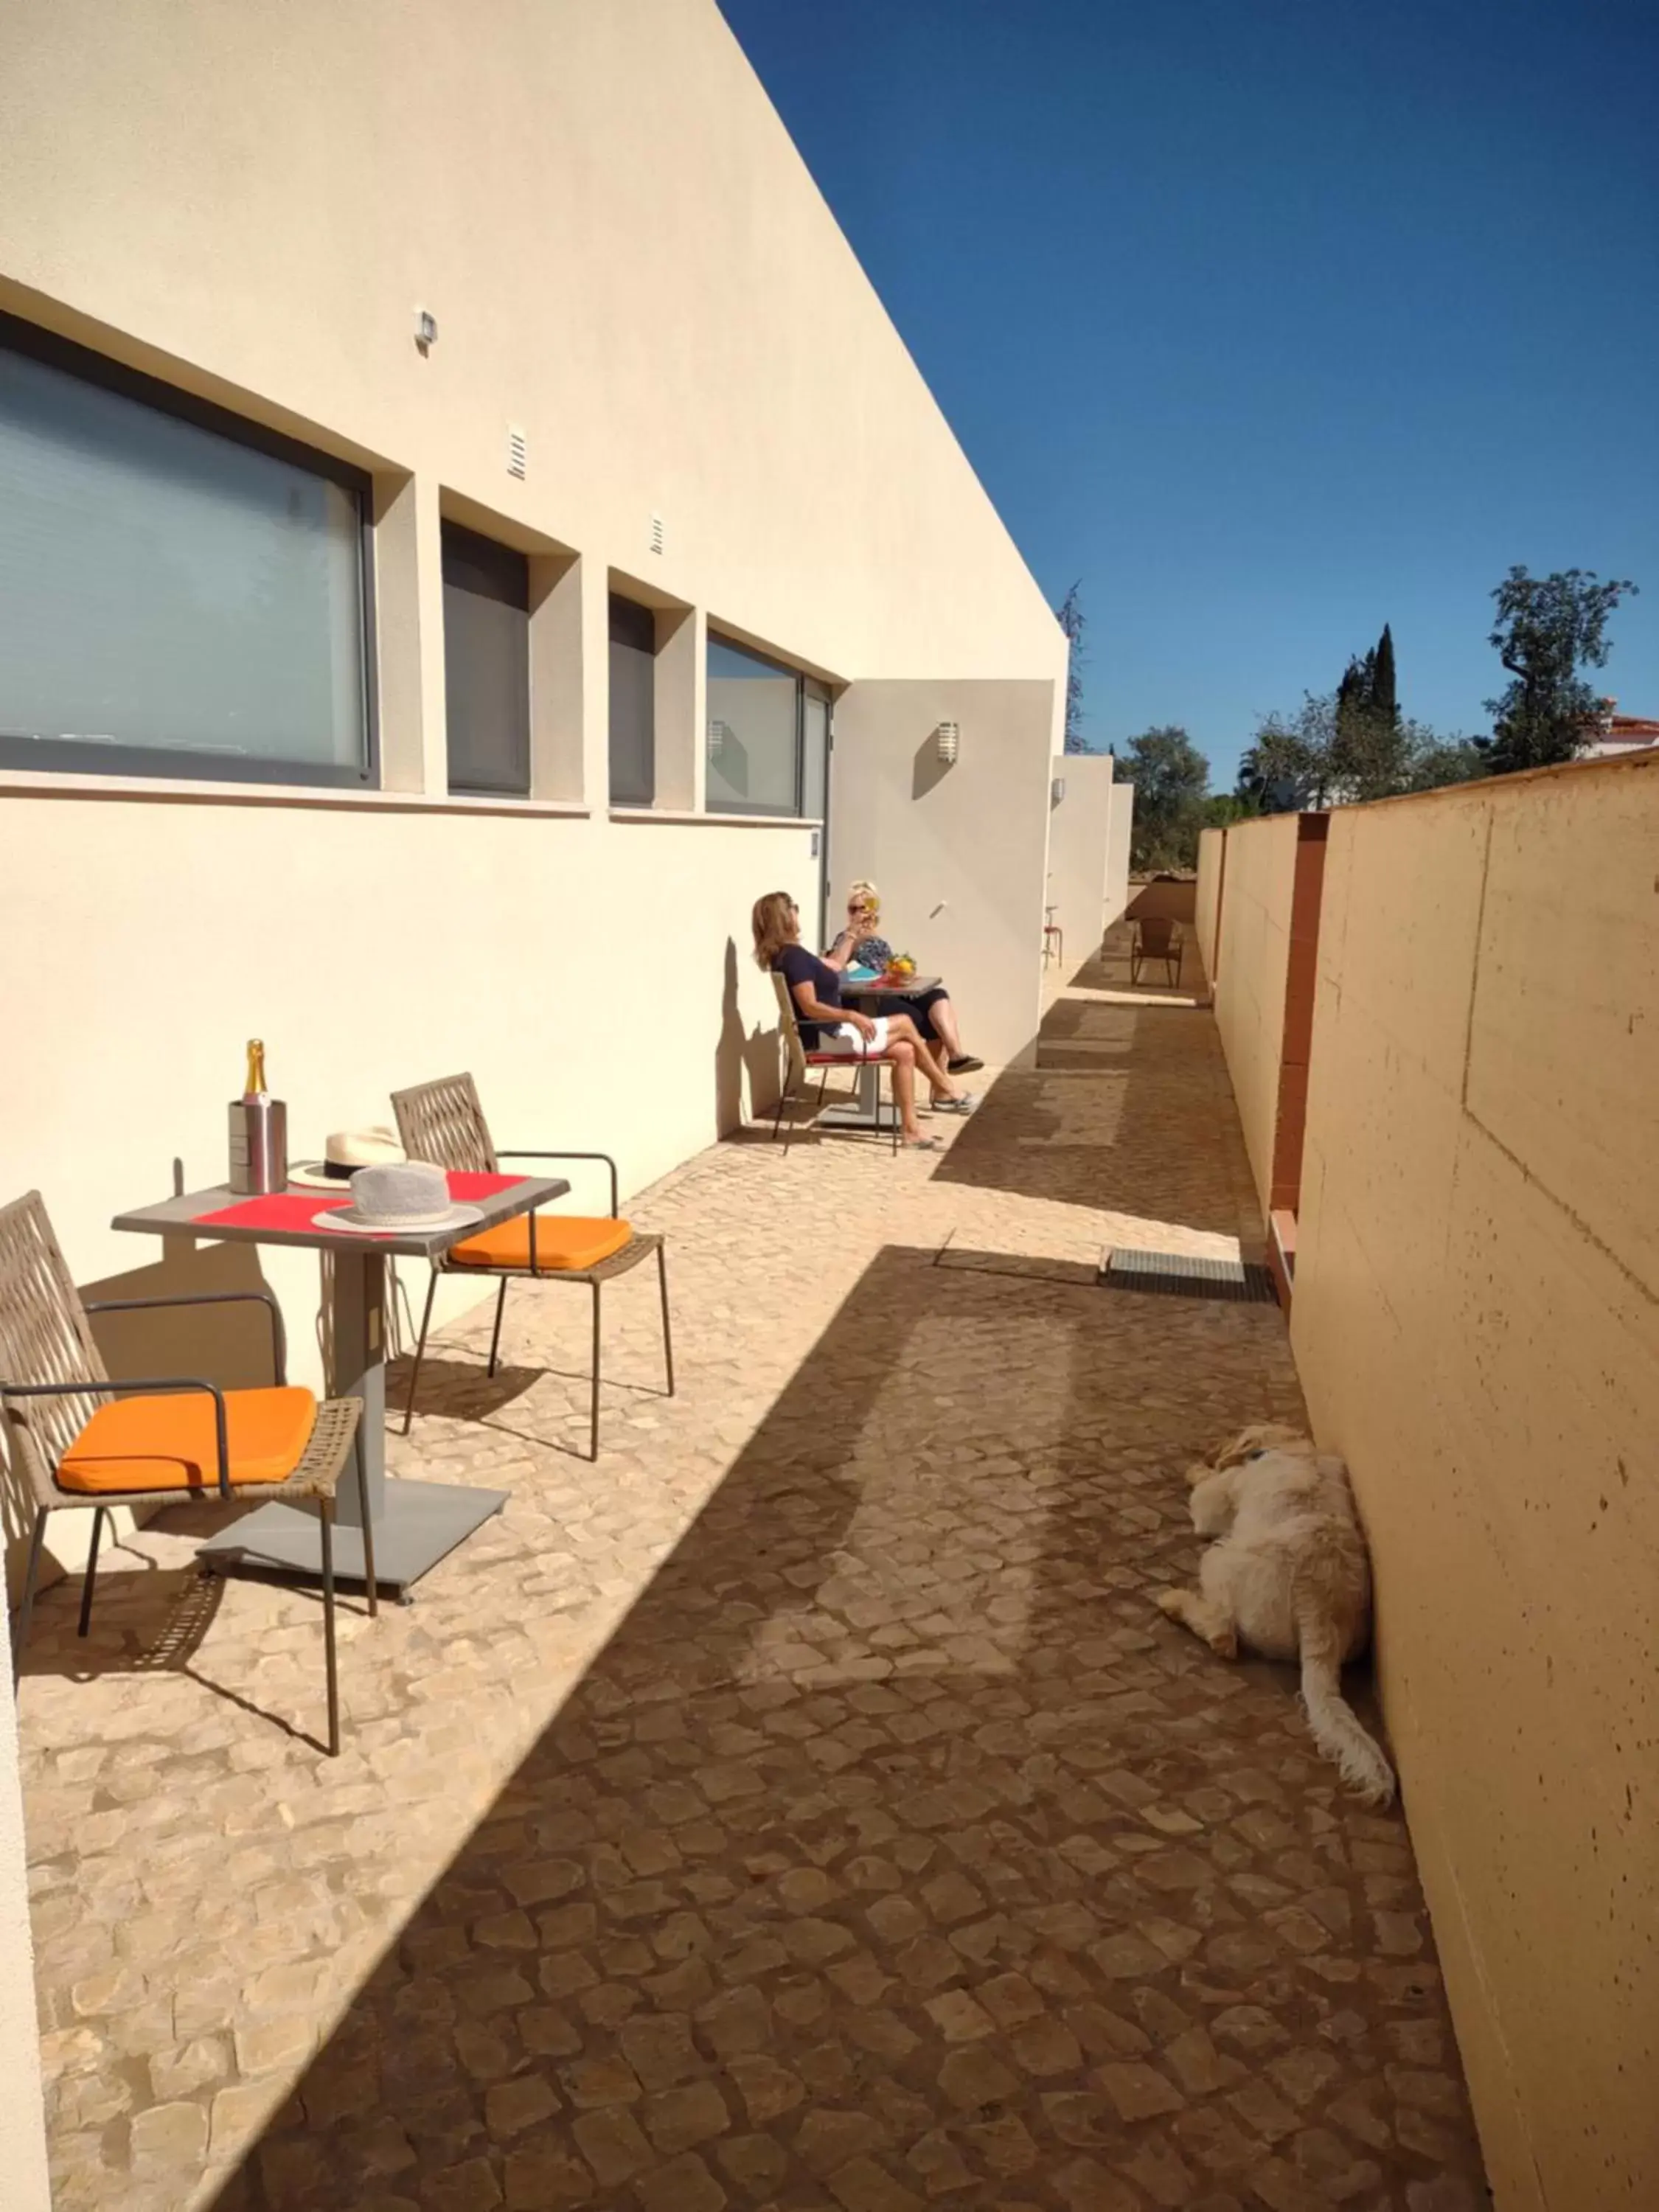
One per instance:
(827,1026)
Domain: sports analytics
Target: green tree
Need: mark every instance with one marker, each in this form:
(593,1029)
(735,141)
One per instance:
(1368,757)
(1070,616)
(1547,627)
(1433,761)
(1171,778)
(1288,765)
(1385,695)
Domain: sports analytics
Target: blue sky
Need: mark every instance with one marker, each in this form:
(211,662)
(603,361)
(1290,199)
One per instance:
(1270,320)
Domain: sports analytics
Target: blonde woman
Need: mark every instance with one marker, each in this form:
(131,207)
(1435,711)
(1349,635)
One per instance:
(932,1012)
(827,1026)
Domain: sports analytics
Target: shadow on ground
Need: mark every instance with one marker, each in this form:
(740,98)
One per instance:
(895,1849)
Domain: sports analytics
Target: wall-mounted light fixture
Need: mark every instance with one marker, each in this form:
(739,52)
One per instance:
(948,738)
(426,329)
(1057,791)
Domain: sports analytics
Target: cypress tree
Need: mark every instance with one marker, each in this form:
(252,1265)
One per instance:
(1384,701)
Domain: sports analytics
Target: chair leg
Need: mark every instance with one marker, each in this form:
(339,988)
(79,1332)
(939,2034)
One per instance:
(420,1348)
(326,1528)
(892,1101)
(91,1575)
(668,1331)
(593,1406)
(783,1100)
(26,1610)
(370,1582)
(496,1334)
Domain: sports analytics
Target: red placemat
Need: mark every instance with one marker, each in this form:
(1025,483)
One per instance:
(290,1209)
(282,1210)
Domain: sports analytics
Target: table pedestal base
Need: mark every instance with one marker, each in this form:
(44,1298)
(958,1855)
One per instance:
(419,1524)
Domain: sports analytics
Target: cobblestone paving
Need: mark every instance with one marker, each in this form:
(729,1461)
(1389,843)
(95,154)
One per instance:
(805,1807)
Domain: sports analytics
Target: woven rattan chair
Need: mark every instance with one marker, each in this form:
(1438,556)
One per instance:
(1155,938)
(443,1122)
(797,1060)
(158,1441)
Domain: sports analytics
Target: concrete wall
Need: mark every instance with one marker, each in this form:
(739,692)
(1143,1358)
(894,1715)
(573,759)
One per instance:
(1212,868)
(957,852)
(22,2127)
(1079,840)
(1253,957)
(1119,833)
(627,261)
(1477,1328)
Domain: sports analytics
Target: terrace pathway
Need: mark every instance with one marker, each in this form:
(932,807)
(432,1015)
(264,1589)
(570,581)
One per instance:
(807,1806)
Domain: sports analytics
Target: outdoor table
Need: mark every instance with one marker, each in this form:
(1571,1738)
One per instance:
(416,1524)
(867,1110)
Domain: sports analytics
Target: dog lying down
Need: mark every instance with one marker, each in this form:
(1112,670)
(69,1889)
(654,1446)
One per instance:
(1288,1576)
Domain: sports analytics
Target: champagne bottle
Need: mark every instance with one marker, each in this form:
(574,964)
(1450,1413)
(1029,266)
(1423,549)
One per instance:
(258,1131)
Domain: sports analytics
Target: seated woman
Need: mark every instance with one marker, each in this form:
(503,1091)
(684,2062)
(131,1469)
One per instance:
(934,1016)
(827,1026)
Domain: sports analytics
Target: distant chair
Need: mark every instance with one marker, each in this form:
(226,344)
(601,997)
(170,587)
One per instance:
(444,1123)
(799,1060)
(1054,940)
(82,1440)
(1156,938)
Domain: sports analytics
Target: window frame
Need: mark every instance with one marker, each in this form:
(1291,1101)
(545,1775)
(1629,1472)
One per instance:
(76,756)
(821,689)
(647,616)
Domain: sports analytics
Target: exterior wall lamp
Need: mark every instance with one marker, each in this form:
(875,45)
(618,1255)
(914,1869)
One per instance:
(948,738)
(1057,791)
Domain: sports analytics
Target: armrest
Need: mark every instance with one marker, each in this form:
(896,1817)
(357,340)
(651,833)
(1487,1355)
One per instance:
(278,1342)
(161,1384)
(605,1157)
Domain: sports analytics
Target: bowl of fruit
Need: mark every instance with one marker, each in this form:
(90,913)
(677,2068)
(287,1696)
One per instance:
(900,970)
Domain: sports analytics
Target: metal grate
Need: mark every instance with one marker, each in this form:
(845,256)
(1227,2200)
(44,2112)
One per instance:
(518,454)
(659,534)
(1180,1275)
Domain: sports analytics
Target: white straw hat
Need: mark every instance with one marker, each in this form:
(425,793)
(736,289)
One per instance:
(347,1150)
(387,1199)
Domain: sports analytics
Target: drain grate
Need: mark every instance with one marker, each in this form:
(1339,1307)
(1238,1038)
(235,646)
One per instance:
(1179,1275)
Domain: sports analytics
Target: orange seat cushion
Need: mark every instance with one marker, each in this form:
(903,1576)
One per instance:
(563,1241)
(167,1443)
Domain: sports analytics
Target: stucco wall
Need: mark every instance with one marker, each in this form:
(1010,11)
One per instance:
(1079,834)
(1212,867)
(1477,1328)
(1253,960)
(957,851)
(625,255)
(23,2138)
(1119,833)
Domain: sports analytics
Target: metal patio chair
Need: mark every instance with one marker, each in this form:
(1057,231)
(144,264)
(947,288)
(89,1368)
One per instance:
(799,1060)
(443,1123)
(1155,938)
(79,1440)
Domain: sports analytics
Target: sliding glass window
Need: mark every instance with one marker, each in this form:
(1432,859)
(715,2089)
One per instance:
(633,703)
(181,594)
(768,735)
(486,664)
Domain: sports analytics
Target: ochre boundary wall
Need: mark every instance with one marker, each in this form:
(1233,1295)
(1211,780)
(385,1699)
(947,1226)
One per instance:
(1476,1324)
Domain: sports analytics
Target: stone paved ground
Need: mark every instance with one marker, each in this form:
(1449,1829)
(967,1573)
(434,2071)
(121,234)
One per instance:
(805,1807)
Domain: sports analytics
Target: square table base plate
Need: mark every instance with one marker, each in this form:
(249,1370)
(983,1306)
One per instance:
(882,1117)
(422,1523)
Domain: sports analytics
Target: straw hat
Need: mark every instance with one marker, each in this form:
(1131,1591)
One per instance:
(387,1201)
(347,1150)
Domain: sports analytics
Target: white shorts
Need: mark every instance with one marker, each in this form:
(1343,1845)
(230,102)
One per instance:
(847,1042)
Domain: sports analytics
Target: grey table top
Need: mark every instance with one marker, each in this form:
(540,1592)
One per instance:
(178,1217)
(909,988)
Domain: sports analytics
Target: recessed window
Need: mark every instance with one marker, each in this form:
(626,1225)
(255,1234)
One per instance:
(633,703)
(180,593)
(768,735)
(486,665)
